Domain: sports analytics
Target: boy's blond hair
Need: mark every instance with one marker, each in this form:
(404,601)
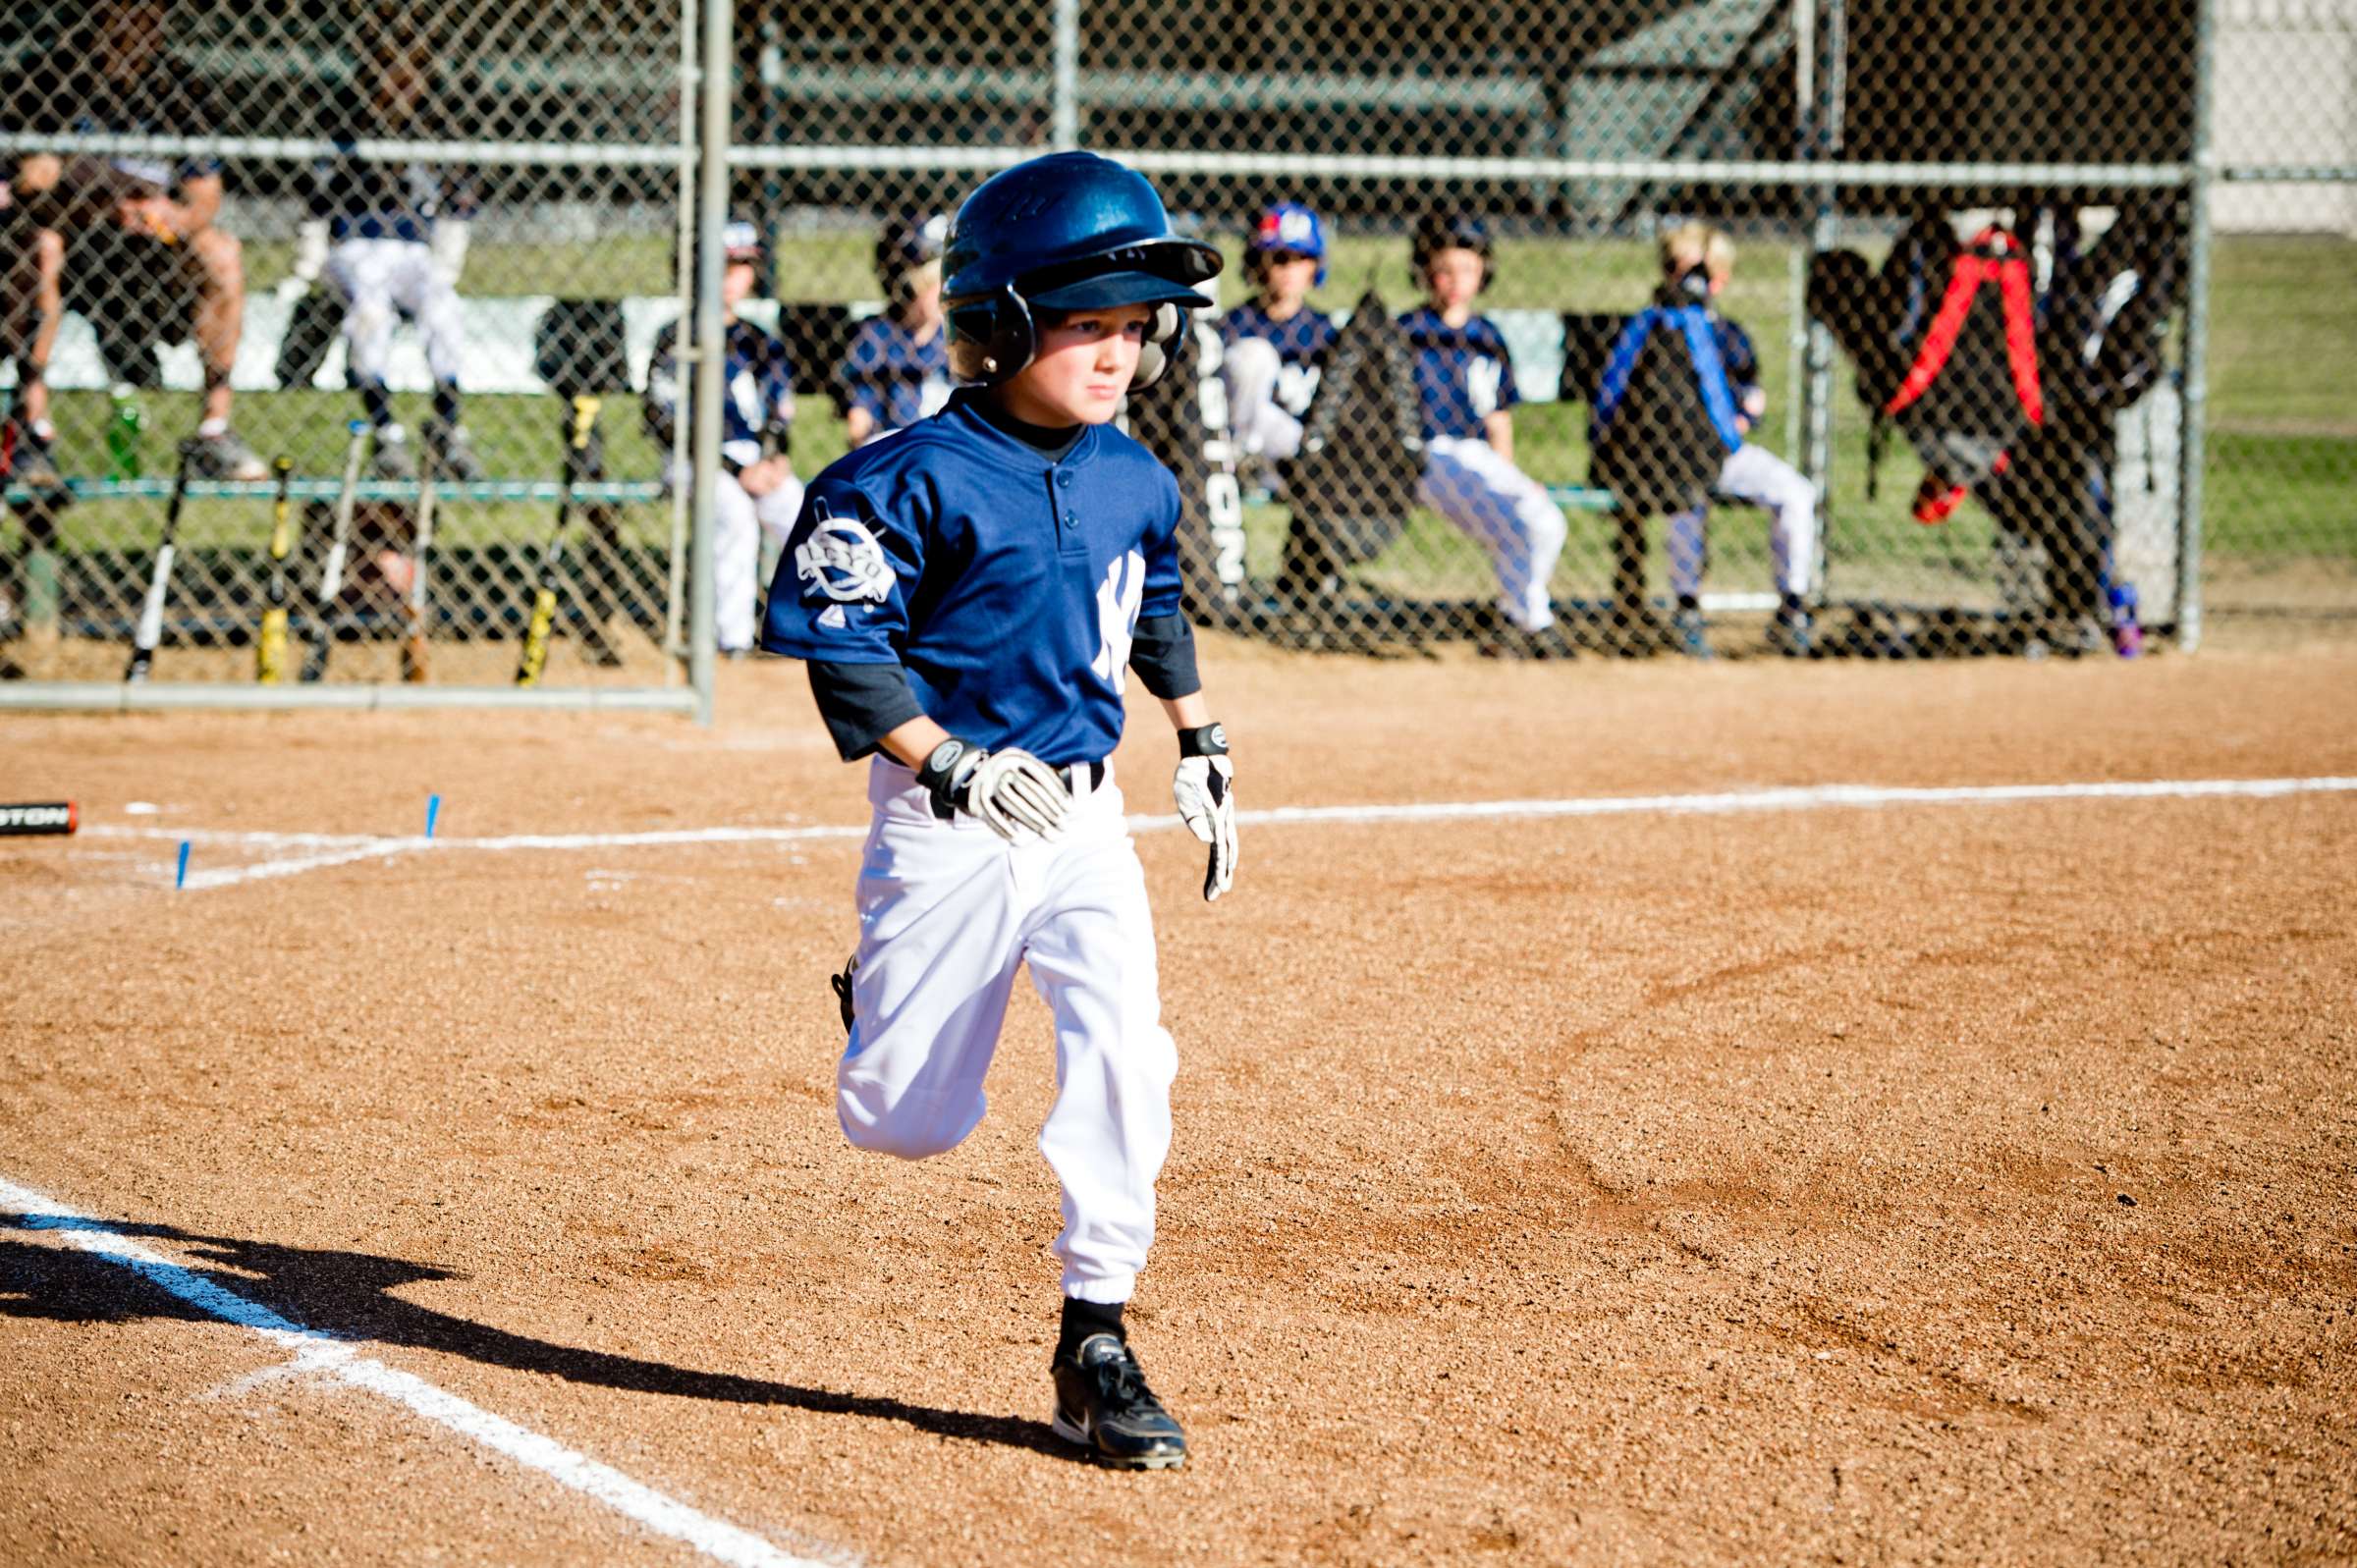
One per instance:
(1698,244)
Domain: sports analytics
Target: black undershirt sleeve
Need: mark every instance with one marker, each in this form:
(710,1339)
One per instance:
(1163,653)
(862,703)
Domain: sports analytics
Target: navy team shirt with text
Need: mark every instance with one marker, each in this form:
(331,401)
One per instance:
(897,379)
(1464,374)
(1300,341)
(1007,583)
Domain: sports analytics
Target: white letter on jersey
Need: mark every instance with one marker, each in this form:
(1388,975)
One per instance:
(841,560)
(1483,376)
(1118,598)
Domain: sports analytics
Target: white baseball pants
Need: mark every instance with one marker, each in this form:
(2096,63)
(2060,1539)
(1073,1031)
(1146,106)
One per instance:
(947,912)
(380,279)
(1510,515)
(739,522)
(1262,427)
(1760,478)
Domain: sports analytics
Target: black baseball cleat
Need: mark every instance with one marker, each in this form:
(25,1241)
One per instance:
(1103,1404)
(843,990)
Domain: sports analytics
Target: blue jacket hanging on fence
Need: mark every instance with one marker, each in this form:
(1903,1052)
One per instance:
(1666,416)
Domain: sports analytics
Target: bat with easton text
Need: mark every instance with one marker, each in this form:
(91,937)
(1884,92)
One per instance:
(28,817)
(331,574)
(544,599)
(148,631)
(271,647)
(414,653)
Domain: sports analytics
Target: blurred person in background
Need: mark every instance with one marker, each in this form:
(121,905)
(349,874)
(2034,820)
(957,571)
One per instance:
(390,239)
(755,491)
(896,369)
(126,241)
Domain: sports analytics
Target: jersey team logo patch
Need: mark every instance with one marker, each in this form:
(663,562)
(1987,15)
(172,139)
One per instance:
(841,560)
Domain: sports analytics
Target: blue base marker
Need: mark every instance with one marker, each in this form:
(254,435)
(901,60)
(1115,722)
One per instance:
(179,877)
(433,810)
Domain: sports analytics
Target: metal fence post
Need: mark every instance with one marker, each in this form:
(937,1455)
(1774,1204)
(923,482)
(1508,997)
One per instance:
(719,79)
(2191,444)
(1064,109)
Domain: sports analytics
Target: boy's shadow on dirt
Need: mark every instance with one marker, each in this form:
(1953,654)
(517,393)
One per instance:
(349,1295)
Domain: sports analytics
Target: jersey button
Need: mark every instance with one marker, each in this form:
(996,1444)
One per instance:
(1063,476)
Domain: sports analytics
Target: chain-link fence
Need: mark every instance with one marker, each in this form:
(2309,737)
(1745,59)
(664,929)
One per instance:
(1840,327)
(377,252)
(1807,326)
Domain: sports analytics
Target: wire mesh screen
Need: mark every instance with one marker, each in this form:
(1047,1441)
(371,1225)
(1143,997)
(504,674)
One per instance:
(375,253)
(1720,328)
(1826,328)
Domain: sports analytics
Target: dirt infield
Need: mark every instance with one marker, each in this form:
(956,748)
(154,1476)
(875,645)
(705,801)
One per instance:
(1957,1181)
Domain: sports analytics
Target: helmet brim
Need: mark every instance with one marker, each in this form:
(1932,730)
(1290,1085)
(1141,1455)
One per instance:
(1105,290)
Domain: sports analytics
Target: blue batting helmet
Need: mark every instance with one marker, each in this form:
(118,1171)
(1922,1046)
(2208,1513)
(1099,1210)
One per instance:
(1289,225)
(1068,231)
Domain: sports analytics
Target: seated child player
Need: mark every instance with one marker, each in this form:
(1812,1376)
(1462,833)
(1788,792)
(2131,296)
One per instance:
(970,597)
(1752,473)
(896,369)
(1274,340)
(1465,380)
(755,490)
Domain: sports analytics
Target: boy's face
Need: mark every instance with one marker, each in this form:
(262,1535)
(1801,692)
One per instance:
(1082,366)
(1286,277)
(735,284)
(1452,277)
(924,295)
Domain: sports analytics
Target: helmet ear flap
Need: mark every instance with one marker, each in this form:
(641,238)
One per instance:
(1154,357)
(991,338)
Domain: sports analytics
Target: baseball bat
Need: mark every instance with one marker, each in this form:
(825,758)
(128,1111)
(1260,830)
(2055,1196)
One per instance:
(25,817)
(331,574)
(270,648)
(414,653)
(149,629)
(544,599)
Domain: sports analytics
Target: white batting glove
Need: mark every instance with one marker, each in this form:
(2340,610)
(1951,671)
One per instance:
(1010,790)
(1205,790)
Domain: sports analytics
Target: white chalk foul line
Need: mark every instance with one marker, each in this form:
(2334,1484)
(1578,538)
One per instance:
(339,850)
(324,1355)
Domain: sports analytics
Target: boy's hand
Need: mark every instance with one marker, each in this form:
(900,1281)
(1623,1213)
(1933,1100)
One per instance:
(1010,790)
(1205,790)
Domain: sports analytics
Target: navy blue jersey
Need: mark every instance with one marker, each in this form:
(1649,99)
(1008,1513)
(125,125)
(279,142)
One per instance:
(897,379)
(1007,583)
(757,406)
(1300,340)
(365,199)
(1464,374)
(1737,354)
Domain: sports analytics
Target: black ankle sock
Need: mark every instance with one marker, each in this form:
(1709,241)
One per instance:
(446,403)
(376,402)
(1082,1318)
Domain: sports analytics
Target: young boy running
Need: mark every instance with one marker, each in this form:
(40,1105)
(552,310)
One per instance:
(970,594)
